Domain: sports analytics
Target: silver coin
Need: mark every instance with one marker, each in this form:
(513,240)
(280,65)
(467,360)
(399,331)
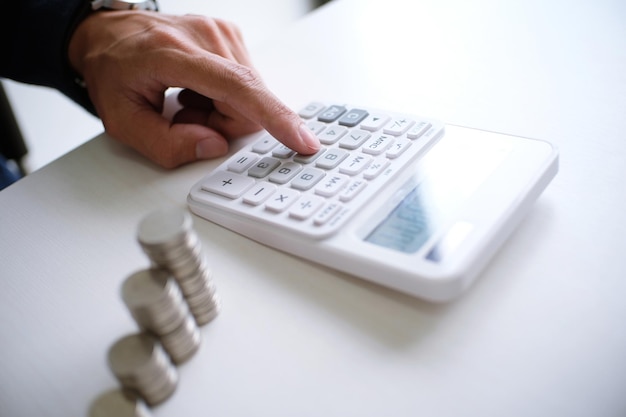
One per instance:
(183,342)
(207,317)
(163,228)
(184,267)
(164,254)
(118,403)
(201,299)
(202,281)
(154,300)
(146,287)
(136,356)
(157,393)
(164,327)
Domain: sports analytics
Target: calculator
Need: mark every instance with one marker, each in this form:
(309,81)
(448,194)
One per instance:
(400,200)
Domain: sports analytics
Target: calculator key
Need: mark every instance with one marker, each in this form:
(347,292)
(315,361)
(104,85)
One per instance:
(305,207)
(332,158)
(265,144)
(377,144)
(311,110)
(263,167)
(282,152)
(307,178)
(316,127)
(354,139)
(352,190)
(281,199)
(332,134)
(418,129)
(354,164)
(326,213)
(241,162)
(397,126)
(398,147)
(307,159)
(374,122)
(331,185)
(227,184)
(353,117)
(285,172)
(375,168)
(259,193)
(331,114)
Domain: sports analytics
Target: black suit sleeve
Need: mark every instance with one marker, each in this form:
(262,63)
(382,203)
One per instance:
(34,44)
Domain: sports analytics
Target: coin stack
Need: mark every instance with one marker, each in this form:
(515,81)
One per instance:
(168,238)
(118,403)
(140,364)
(157,305)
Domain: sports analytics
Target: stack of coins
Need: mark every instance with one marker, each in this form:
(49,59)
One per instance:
(140,364)
(157,305)
(118,403)
(168,238)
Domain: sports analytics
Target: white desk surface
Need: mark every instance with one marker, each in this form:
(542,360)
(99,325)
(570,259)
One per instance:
(542,333)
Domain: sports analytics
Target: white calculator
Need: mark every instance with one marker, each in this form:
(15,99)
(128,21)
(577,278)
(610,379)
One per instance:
(403,201)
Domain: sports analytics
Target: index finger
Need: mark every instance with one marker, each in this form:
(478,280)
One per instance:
(241,88)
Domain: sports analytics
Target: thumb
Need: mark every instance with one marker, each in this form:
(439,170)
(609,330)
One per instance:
(173,144)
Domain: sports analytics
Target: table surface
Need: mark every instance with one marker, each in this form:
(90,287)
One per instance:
(541,333)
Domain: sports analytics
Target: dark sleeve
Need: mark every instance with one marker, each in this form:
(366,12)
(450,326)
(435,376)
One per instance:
(34,45)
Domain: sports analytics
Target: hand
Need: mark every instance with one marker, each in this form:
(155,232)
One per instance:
(128,60)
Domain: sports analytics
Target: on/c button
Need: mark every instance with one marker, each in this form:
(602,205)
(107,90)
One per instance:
(450,241)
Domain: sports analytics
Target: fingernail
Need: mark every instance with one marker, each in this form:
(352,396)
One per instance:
(209,148)
(309,138)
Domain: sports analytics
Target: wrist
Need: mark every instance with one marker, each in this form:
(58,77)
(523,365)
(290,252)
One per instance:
(91,28)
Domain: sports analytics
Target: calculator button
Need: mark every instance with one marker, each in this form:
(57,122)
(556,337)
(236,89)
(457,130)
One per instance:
(326,213)
(307,159)
(285,172)
(418,130)
(241,162)
(308,178)
(281,199)
(332,134)
(331,114)
(352,190)
(282,152)
(305,207)
(374,122)
(377,144)
(354,139)
(353,117)
(375,168)
(265,144)
(331,159)
(331,185)
(316,127)
(263,167)
(259,193)
(397,126)
(354,164)
(398,147)
(311,110)
(227,184)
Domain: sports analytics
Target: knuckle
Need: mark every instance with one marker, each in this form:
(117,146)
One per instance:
(243,77)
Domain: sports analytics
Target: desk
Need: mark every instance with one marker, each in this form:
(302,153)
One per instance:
(540,334)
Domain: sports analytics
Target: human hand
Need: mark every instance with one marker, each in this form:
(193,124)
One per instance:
(128,60)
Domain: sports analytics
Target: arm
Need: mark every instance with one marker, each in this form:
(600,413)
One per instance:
(128,59)
(34,47)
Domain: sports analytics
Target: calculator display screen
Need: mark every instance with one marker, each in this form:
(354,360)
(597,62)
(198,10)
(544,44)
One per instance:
(451,175)
(407,227)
